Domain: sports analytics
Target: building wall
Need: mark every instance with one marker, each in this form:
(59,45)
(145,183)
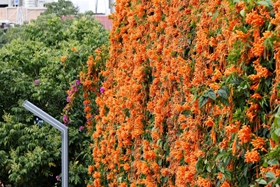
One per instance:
(106,22)
(19,15)
(4,2)
(25,3)
(104,7)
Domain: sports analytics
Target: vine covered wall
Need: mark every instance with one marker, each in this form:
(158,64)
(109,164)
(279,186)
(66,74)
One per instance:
(190,95)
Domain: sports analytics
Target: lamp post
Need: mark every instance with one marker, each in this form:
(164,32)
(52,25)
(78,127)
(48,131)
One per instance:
(64,131)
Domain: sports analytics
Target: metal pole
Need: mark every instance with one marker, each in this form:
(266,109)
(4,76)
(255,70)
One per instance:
(64,131)
(96,6)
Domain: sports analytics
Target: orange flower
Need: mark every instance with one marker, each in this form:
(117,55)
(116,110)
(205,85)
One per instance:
(225,184)
(258,143)
(216,75)
(214,86)
(165,171)
(256,96)
(224,144)
(96,175)
(203,182)
(145,168)
(258,49)
(63,59)
(148,155)
(124,184)
(74,49)
(87,109)
(231,129)
(251,157)
(176,154)
(213,42)
(255,19)
(155,135)
(244,134)
(230,166)
(241,35)
(234,146)
(213,135)
(90,169)
(126,166)
(209,122)
(230,70)
(220,176)
(87,83)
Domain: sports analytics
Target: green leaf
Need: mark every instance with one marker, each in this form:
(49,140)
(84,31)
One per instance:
(165,179)
(199,165)
(245,171)
(273,162)
(274,137)
(227,174)
(277,132)
(265,164)
(242,13)
(202,101)
(221,155)
(261,181)
(166,147)
(208,168)
(263,3)
(211,94)
(277,181)
(215,15)
(270,175)
(160,162)
(222,93)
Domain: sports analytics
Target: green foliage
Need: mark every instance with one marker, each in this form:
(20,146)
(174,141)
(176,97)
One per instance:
(11,34)
(48,29)
(31,67)
(61,8)
(29,152)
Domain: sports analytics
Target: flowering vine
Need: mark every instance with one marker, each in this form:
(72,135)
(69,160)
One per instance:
(189,97)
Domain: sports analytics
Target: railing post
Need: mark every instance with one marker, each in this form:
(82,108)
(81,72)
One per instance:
(64,131)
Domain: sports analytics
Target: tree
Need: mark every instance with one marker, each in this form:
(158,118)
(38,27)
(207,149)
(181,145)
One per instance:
(11,34)
(40,66)
(61,8)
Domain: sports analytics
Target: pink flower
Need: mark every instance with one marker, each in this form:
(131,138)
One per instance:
(65,119)
(81,128)
(102,90)
(68,99)
(36,82)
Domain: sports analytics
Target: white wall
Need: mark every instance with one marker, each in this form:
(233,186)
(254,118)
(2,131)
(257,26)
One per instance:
(4,2)
(103,6)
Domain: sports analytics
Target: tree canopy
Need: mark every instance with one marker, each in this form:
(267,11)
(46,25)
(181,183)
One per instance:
(40,65)
(61,8)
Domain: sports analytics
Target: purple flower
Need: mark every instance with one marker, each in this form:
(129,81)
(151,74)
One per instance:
(102,90)
(77,82)
(81,128)
(65,119)
(57,178)
(74,89)
(68,99)
(89,118)
(36,82)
